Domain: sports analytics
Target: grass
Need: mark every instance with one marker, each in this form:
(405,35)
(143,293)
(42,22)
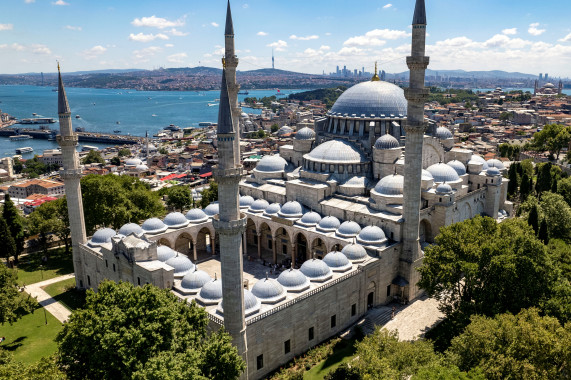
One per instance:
(30,339)
(58,264)
(65,293)
(343,352)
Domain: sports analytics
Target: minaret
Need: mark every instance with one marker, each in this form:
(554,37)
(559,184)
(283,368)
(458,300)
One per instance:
(273,67)
(535,87)
(71,174)
(230,63)
(414,127)
(147,146)
(560,89)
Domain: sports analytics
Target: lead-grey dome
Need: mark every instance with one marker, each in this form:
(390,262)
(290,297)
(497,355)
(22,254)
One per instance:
(251,304)
(337,261)
(272,209)
(316,270)
(443,188)
(269,290)
(371,235)
(181,264)
(211,291)
(443,173)
(387,142)
(309,219)
(493,171)
(212,209)
(426,176)
(246,201)
(336,151)
(443,133)
(195,279)
(175,220)
(328,224)
(270,164)
(259,205)
(371,98)
(348,229)
(284,130)
(102,236)
(165,253)
(495,163)
(130,228)
(355,252)
(390,185)
(293,280)
(133,162)
(458,166)
(196,215)
(479,159)
(305,133)
(291,209)
(154,226)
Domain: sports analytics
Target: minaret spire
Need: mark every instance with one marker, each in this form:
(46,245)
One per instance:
(229,30)
(375,77)
(63,105)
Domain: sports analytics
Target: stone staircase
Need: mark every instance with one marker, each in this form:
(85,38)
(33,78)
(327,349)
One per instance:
(377,316)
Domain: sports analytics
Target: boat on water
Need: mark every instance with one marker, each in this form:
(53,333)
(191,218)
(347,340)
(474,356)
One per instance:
(79,129)
(205,124)
(173,128)
(244,93)
(153,115)
(116,131)
(87,148)
(38,120)
(34,114)
(118,122)
(77,117)
(19,137)
(25,149)
(212,104)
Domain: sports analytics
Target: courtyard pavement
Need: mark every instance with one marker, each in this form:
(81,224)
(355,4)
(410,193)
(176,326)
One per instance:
(60,312)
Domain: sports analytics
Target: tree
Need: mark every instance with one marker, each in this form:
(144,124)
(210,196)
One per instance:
(13,303)
(564,189)
(15,223)
(143,333)
(124,152)
(524,189)
(6,240)
(557,214)
(543,235)
(179,197)
(93,157)
(274,128)
(553,138)
(115,161)
(524,346)
(544,179)
(163,150)
(209,195)
(51,218)
(45,368)
(505,117)
(513,183)
(533,219)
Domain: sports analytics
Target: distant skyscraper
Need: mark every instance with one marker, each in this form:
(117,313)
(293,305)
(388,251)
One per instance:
(273,67)
(546,77)
(540,76)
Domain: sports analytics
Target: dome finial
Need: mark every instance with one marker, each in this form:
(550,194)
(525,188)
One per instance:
(266,275)
(375,77)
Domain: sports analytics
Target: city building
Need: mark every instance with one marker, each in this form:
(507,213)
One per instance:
(37,186)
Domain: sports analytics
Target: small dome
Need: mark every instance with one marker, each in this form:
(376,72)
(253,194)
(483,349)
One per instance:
(458,166)
(269,164)
(336,151)
(387,142)
(494,163)
(175,220)
(272,209)
(371,235)
(165,253)
(305,134)
(153,226)
(316,270)
(102,236)
(251,304)
(293,280)
(269,290)
(181,264)
(259,205)
(493,171)
(133,162)
(142,167)
(195,279)
(426,176)
(337,261)
(211,291)
(130,228)
(309,219)
(348,229)
(479,159)
(443,188)
(284,130)
(212,209)
(356,181)
(443,173)
(355,252)
(390,185)
(328,224)
(443,133)
(291,209)
(246,201)
(196,215)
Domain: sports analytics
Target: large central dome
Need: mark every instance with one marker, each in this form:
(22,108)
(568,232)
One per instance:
(336,151)
(371,98)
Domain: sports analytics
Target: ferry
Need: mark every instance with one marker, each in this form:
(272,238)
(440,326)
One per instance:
(212,104)
(205,124)
(244,93)
(20,137)
(116,131)
(154,115)
(24,150)
(87,148)
(77,117)
(38,120)
(173,128)
(80,129)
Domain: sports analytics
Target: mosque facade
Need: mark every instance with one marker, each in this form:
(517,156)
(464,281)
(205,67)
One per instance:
(346,209)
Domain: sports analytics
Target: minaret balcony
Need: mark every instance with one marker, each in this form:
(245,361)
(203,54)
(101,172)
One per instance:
(231,174)
(416,95)
(231,227)
(67,140)
(417,63)
(70,173)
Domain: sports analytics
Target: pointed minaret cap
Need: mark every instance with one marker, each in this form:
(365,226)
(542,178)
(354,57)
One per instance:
(62,104)
(419,17)
(224,111)
(229,31)
(375,77)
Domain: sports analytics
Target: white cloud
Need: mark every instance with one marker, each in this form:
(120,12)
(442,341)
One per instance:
(6,26)
(214,24)
(324,47)
(71,27)
(503,41)
(141,37)
(94,52)
(534,31)
(15,46)
(29,1)
(176,33)
(376,37)
(40,49)
(156,22)
(177,58)
(327,34)
(387,6)
(147,52)
(510,31)
(60,2)
(302,38)
(261,34)
(567,38)
(245,6)
(169,45)
(279,45)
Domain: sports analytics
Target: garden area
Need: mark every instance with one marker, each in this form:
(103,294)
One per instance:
(32,269)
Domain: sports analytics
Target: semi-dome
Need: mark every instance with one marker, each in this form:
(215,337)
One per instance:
(337,261)
(102,236)
(165,253)
(272,209)
(181,264)
(269,290)
(270,164)
(175,220)
(493,171)
(305,133)
(212,209)
(390,185)
(479,159)
(291,209)
(372,99)
(443,188)
(195,279)
(246,201)
(336,151)
(211,291)
(316,270)
(355,252)
(153,226)
(371,235)
(426,176)
(458,166)
(387,142)
(293,280)
(356,181)
(495,163)
(284,130)
(443,173)
(129,228)
(309,219)
(443,133)
(133,162)
(328,224)
(196,215)
(259,205)
(348,229)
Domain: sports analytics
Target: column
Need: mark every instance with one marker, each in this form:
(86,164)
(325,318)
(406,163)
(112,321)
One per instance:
(274,251)
(195,255)
(259,245)
(245,243)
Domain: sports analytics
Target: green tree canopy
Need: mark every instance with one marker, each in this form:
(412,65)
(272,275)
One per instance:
(93,157)
(209,195)
(51,218)
(46,368)
(15,223)
(124,152)
(13,303)
(179,197)
(564,189)
(557,214)
(7,244)
(128,332)
(552,138)
(115,161)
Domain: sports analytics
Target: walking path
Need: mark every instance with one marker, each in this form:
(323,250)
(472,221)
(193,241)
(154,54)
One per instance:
(45,300)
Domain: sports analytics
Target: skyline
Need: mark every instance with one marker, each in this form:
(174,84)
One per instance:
(306,36)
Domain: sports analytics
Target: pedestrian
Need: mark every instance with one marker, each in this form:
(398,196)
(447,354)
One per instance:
(393,312)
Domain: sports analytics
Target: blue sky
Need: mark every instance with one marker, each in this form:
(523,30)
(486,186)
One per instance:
(308,36)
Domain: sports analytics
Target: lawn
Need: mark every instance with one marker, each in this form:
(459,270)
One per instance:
(343,352)
(29,339)
(58,264)
(65,293)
